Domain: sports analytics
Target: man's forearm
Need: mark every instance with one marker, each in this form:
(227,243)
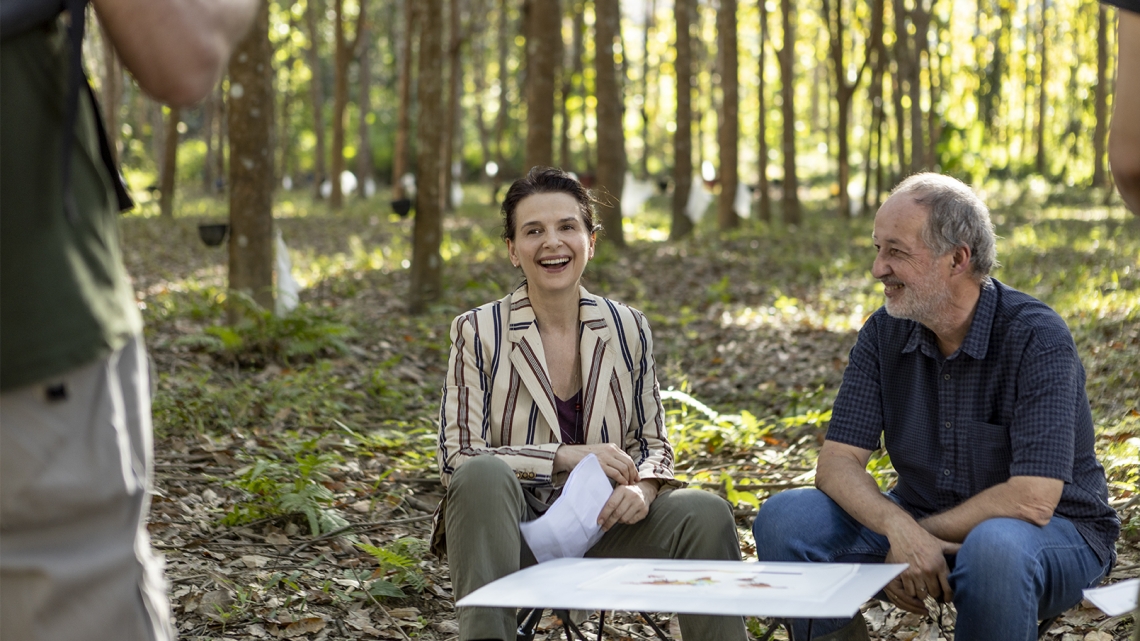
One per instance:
(1028,498)
(846,481)
(176,49)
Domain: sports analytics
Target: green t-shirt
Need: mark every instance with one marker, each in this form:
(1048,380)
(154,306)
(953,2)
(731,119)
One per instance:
(65,299)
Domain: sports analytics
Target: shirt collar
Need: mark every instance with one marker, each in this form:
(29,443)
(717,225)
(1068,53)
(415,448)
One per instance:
(977,341)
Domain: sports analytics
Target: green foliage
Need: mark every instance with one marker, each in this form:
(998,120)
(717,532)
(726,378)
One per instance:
(397,567)
(274,487)
(260,336)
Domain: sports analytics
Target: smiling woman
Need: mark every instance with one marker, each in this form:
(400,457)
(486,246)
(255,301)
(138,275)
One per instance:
(535,383)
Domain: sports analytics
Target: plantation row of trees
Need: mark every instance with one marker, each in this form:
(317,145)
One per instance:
(847,95)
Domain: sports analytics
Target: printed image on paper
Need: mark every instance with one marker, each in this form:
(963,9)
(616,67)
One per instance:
(814,584)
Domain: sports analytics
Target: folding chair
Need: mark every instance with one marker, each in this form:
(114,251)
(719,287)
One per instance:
(528,621)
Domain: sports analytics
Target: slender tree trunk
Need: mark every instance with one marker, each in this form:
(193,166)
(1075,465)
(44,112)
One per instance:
(786,55)
(478,59)
(427,265)
(543,51)
(729,126)
(920,18)
(169,163)
(208,118)
(650,10)
(251,172)
(1040,164)
(365,172)
(844,91)
(580,79)
(765,212)
(404,91)
(877,54)
(223,139)
(682,225)
(1100,175)
(345,52)
(317,95)
(455,83)
(501,117)
(566,89)
(611,137)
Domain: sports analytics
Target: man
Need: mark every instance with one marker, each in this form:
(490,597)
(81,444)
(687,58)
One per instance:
(75,439)
(979,396)
(1124,138)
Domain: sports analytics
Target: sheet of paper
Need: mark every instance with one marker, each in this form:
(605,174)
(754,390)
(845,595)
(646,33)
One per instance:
(570,526)
(1116,599)
(696,587)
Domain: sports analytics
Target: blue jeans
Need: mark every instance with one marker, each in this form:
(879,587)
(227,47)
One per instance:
(1007,576)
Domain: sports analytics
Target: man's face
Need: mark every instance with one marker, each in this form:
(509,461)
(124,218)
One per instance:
(915,281)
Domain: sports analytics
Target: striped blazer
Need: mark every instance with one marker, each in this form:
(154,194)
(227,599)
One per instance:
(498,399)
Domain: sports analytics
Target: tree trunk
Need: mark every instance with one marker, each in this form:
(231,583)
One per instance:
(844,91)
(566,89)
(169,163)
(682,225)
(208,119)
(920,18)
(501,117)
(365,172)
(478,61)
(877,55)
(251,172)
(729,126)
(345,52)
(1042,95)
(787,53)
(223,139)
(765,212)
(650,10)
(1100,175)
(455,83)
(317,94)
(404,91)
(580,78)
(427,265)
(611,137)
(543,51)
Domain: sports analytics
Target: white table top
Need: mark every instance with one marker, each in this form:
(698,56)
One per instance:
(692,587)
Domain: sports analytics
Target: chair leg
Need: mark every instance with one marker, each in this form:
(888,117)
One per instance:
(1044,626)
(660,633)
(527,620)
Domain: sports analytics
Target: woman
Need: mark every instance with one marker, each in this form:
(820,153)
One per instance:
(537,381)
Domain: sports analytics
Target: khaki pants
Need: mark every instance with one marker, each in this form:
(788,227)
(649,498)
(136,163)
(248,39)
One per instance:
(485,502)
(75,461)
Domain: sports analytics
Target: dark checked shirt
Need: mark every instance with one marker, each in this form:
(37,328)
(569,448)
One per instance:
(1010,402)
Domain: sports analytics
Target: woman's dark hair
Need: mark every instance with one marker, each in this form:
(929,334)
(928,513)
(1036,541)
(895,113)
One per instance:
(547,180)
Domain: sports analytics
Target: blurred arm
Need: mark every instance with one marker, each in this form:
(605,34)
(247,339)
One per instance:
(1124,138)
(176,49)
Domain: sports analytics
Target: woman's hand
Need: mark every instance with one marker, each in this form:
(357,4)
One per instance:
(617,465)
(628,504)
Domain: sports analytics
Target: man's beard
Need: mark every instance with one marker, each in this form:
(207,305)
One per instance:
(924,301)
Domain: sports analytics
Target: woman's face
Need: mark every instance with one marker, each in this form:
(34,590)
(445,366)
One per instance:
(551,243)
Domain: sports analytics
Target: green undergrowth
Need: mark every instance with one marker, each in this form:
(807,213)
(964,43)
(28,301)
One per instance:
(349,368)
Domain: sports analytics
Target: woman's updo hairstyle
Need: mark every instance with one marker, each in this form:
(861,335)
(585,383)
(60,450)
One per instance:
(547,180)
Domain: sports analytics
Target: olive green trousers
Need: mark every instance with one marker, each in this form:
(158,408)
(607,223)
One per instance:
(485,503)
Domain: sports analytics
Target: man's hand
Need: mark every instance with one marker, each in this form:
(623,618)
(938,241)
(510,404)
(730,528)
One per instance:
(628,504)
(928,574)
(617,465)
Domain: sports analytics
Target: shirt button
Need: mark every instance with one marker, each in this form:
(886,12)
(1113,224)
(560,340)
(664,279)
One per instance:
(946,376)
(947,424)
(946,472)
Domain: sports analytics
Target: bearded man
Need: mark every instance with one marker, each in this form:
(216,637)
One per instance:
(978,395)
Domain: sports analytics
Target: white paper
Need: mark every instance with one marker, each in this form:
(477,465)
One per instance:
(1116,599)
(570,527)
(820,590)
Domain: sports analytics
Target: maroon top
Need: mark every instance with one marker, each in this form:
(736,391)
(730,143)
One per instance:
(570,419)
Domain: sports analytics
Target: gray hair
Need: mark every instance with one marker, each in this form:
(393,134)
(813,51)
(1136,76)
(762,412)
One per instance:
(957,217)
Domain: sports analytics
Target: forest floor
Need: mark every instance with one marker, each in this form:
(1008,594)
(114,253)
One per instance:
(295,456)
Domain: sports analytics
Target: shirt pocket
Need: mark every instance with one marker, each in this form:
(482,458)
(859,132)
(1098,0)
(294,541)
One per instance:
(989,453)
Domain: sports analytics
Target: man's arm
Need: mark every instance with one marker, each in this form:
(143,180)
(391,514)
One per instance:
(1124,138)
(841,473)
(1029,498)
(176,49)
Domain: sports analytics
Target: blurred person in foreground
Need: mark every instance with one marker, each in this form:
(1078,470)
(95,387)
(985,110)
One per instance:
(976,392)
(1124,136)
(536,382)
(75,431)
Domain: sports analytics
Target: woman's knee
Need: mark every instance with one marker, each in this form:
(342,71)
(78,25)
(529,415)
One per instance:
(481,473)
(706,527)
